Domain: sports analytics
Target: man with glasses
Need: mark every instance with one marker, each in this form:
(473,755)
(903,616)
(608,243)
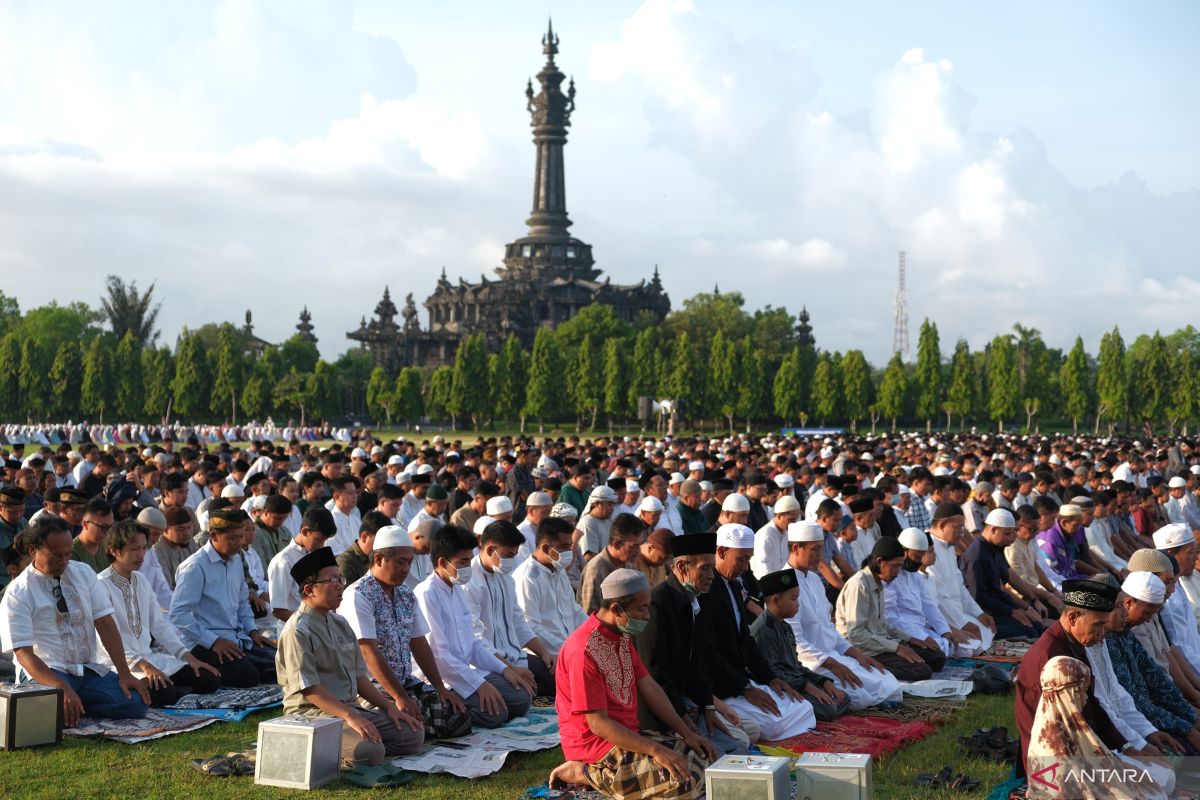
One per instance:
(89,547)
(323,674)
(50,617)
(211,607)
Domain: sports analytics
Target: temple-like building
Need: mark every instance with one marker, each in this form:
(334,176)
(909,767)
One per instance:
(547,277)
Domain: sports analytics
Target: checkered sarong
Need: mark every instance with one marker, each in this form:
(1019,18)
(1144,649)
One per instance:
(440,721)
(625,775)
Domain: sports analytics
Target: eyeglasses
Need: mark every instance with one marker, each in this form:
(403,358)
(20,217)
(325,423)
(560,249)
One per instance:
(338,580)
(59,600)
(102,528)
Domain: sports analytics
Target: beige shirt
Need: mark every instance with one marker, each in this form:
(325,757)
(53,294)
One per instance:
(860,616)
(316,650)
(1022,560)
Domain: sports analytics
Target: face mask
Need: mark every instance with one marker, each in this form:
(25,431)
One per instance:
(507,565)
(911,566)
(564,559)
(690,588)
(633,626)
(462,575)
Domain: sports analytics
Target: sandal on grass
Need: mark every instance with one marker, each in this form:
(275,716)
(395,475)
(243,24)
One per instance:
(938,780)
(241,763)
(213,766)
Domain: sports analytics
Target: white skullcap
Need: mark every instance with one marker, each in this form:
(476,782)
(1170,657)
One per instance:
(632,486)
(787,504)
(1168,537)
(706,486)
(695,466)
(565,511)
(500,504)
(391,536)
(376,449)
(1070,510)
(622,583)
(425,469)
(676,477)
(258,502)
(1145,586)
(1195,468)
(1177,483)
(784,481)
(233,490)
(602,494)
(1001,518)
(736,536)
(147,452)
(914,539)
(736,504)
(650,504)
(805,532)
(481,523)
(358,452)
(538,499)
(152,517)
(395,461)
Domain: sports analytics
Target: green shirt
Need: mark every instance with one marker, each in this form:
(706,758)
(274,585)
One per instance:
(268,542)
(574,497)
(692,519)
(98,562)
(353,563)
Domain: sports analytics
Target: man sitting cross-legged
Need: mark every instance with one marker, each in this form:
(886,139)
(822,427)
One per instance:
(323,674)
(383,613)
(600,679)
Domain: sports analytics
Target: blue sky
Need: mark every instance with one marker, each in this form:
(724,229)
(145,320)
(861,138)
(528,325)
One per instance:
(277,153)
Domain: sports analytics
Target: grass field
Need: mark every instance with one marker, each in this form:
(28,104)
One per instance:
(161,768)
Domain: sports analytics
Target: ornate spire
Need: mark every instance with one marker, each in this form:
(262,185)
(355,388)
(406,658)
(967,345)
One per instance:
(803,330)
(304,328)
(550,116)
(386,310)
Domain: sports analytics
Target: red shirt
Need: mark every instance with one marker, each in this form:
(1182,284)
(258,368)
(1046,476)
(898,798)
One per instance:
(597,670)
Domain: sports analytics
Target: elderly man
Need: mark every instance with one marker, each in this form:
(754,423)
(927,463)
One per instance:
(1178,614)
(861,620)
(650,511)
(627,536)
(50,616)
(322,676)
(988,579)
(907,602)
(690,517)
(211,608)
(383,613)
(543,589)
(600,679)
(770,541)
(740,675)
(948,587)
(652,557)
(316,528)
(976,508)
(596,522)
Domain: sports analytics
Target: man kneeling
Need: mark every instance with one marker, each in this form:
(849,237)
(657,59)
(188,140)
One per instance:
(322,671)
(599,677)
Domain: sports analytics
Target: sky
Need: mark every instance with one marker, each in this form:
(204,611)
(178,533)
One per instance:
(1038,162)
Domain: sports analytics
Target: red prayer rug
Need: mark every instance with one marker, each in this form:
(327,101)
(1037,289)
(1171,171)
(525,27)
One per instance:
(877,736)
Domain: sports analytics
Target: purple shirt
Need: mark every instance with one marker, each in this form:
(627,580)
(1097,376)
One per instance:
(1061,549)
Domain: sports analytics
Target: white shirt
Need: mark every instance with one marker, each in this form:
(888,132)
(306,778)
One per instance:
(257,570)
(284,591)
(770,550)
(463,659)
(908,606)
(152,571)
(81,471)
(499,620)
(948,588)
(141,623)
(1115,700)
(529,531)
(1179,620)
(420,517)
(422,568)
(816,637)
(410,506)
(196,494)
(29,617)
(670,517)
(347,530)
(548,602)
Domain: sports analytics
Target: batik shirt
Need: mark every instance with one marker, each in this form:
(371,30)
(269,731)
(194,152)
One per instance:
(1152,690)
(392,622)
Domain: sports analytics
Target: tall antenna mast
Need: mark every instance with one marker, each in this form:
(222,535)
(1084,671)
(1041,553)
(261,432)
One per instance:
(900,333)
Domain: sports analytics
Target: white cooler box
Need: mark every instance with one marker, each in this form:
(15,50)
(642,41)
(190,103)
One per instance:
(749,778)
(833,776)
(298,752)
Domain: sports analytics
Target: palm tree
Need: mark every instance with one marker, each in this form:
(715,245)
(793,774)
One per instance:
(130,311)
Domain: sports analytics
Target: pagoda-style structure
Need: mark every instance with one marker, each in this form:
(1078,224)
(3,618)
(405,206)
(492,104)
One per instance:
(547,277)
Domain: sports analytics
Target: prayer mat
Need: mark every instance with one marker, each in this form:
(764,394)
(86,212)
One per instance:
(876,736)
(154,725)
(228,705)
(916,709)
(1005,652)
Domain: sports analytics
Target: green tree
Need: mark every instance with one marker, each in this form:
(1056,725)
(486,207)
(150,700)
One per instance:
(10,376)
(513,374)
(1003,382)
(596,320)
(190,386)
(773,331)
(10,313)
(643,378)
(893,389)
(299,354)
(256,395)
(407,396)
(1150,369)
(131,388)
(291,391)
(227,374)
(65,375)
(469,393)
(96,393)
(753,376)
(586,387)
(1033,373)
(130,311)
(685,383)
(546,391)
(960,395)
(76,322)
(322,391)
(616,393)
(1075,385)
(723,377)
(826,390)
(929,374)
(703,314)
(33,379)
(856,386)
(440,385)
(786,391)
(158,370)
(1182,404)
(1112,382)
(379,395)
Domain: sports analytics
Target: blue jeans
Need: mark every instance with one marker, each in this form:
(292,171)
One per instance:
(102,695)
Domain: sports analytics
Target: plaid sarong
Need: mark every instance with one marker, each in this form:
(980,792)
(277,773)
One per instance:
(440,721)
(624,775)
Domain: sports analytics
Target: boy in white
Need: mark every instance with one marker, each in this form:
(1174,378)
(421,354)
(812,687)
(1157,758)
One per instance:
(908,605)
(169,671)
(946,585)
(544,588)
(316,528)
(771,542)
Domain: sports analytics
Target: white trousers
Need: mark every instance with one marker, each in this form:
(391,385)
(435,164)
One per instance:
(877,687)
(973,647)
(795,716)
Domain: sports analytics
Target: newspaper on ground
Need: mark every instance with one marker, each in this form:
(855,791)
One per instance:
(483,752)
(938,689)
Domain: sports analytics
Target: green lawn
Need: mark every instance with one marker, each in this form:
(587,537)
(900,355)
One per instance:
(161,768)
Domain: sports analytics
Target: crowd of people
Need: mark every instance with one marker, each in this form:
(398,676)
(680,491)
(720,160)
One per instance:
(676,600)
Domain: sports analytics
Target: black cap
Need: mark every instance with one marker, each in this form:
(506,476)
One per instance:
(887,548)
(946,511)
(777,582)
(311,564)
(694,544)
(12,495)
(1090,595)
(861,505)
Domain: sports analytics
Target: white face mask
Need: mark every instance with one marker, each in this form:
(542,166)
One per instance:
(564,559)
(507,565)
(462,575)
